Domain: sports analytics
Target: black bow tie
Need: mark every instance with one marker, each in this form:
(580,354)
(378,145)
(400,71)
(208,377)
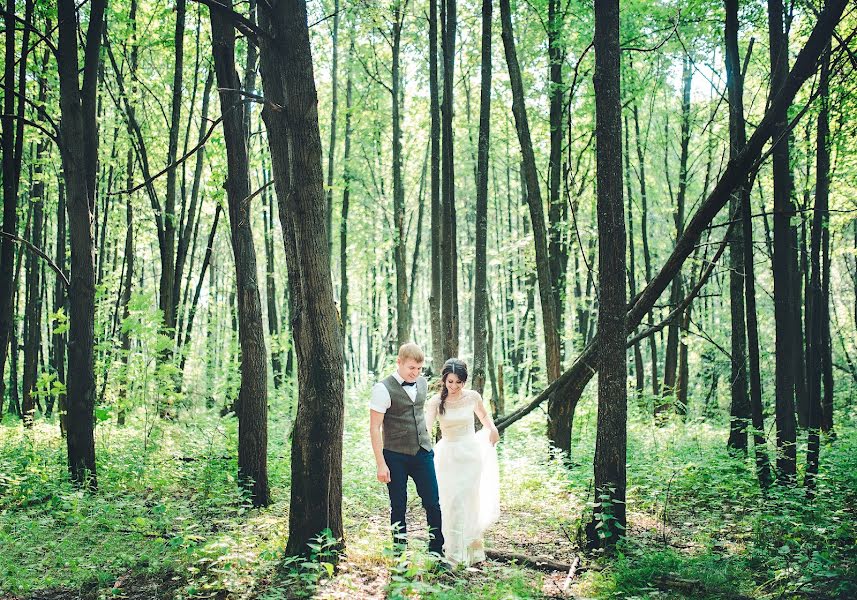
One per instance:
(408,383)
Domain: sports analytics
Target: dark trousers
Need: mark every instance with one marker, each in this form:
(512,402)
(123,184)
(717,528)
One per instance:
(420,468)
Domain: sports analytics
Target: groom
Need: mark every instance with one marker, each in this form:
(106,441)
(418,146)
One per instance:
(402,445)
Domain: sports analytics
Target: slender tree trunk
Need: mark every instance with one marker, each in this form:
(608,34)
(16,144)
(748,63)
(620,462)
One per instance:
(344,308)
(816,351)
(295,143)
(740,402)
(676,294)
(436,209)
(270,283)
(784,261)
(58,340)
(334,106)
(611,435)
(449,245)
(252,406)
(557,206)
(647,256)
(534,200)
(480,305)
(78,129)
(640,376)
(403,302)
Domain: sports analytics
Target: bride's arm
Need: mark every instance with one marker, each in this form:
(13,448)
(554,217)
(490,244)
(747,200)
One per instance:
(485,418)
(431,411)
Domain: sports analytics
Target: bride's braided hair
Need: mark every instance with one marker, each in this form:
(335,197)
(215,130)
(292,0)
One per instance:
(453,366)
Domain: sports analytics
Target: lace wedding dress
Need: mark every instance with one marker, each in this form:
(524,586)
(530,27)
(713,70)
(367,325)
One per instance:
(467,477)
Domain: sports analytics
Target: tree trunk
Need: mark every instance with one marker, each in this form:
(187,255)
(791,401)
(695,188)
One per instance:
(252,409)
(480,305)
(740,403)
(557,206)
(816,351)
(785,268)
(611,435)
(270,283)
(58,340)
(334,106)
(344,308)
(436,209)
(295,143)
(647,256)
(640,376)
(449,245)
(673,331)
(78,129)
(559,429)
(400,257)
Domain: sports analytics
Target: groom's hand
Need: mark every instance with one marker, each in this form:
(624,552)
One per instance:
(383,473)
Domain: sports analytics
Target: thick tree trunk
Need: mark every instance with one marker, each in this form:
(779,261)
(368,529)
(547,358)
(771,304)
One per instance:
(448,244)
(611,435)
(559,423)
(480,305)
(252,408)
(295,143)
(785,268)
(78,129)
(437,347)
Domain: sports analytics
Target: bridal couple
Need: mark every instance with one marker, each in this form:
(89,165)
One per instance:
(458,481)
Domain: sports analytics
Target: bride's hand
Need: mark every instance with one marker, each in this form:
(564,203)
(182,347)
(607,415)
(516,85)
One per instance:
(494,436)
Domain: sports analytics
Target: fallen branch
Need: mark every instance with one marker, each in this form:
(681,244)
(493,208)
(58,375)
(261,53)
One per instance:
(534,562)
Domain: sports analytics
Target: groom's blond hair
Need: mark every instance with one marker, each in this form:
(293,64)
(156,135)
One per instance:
(411,351)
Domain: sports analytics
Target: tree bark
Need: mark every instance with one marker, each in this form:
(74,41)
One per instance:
(449,244)
(295,143)
(252,408)
(673,331)
(78,129)
(611,434)
(334,110)
(400,257)
(436,209)
(740,402)
(816,350)
(640,376)
(559,430)
(785,267)
(344,308)
(647,256)
(557,206)
(480,304)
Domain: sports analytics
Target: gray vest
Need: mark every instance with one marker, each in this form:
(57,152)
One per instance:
(404,422)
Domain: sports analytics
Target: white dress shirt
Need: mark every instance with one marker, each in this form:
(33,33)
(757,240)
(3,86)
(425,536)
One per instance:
(380,399)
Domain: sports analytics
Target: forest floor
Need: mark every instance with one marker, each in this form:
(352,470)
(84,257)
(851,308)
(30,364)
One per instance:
(168,522)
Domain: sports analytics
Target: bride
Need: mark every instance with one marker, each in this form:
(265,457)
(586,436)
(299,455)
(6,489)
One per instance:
(466,466)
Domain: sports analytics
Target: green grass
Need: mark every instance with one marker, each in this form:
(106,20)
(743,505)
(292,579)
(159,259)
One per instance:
(168,509)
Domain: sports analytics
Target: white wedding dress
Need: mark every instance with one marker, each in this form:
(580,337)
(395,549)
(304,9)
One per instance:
(467,477)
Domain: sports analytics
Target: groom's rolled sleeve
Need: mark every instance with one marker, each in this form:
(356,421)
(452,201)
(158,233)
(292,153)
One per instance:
(380,398)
